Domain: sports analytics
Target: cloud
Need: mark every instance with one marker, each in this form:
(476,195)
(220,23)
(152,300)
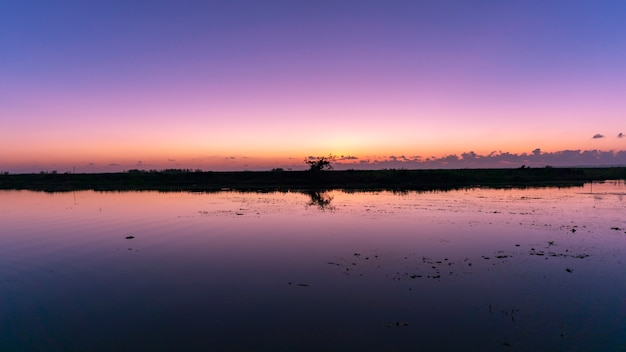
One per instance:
(469,155)
(620,135)
(535,158)
(171,159)
(114,164)
(348,157)
(597,136)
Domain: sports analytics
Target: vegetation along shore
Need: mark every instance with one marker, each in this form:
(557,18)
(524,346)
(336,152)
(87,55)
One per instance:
(279,180)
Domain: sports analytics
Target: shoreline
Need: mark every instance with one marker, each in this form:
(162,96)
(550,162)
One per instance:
(351,180)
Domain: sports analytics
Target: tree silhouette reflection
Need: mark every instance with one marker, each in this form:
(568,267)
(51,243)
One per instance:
(321,200)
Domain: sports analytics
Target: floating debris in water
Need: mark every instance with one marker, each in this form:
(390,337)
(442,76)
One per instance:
(397,324)
(130,237)
(302,285)
(553,254)
(569,270)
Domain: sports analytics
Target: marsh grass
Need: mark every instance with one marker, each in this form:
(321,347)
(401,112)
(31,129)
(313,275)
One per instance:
(351,180)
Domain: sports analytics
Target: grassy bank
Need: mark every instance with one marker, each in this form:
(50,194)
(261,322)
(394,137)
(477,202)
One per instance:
(179,180)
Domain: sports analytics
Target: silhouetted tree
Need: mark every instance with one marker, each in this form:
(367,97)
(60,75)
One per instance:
(320,163)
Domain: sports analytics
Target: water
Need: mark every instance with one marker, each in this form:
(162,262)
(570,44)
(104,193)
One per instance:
(478,269)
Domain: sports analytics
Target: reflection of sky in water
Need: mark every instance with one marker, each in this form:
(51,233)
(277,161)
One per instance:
(472,269)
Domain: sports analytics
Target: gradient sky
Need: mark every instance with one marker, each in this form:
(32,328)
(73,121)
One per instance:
(234,85)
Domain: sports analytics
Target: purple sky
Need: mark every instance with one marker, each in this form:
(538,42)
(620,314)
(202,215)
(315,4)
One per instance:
(234,85)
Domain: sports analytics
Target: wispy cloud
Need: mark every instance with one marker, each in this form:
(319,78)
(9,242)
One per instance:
(347,157)
(597,136)
(620,135)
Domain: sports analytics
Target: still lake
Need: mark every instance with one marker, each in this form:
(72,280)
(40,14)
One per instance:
(473,269)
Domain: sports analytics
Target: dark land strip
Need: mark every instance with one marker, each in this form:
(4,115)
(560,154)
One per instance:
(351,180)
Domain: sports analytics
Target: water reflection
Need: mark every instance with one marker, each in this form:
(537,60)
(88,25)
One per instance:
(321,200)
(472,269)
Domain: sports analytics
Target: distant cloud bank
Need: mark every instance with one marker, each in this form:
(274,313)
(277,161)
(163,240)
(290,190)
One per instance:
(536,158)
(496,159)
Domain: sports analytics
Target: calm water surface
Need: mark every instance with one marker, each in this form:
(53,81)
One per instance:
(479,269)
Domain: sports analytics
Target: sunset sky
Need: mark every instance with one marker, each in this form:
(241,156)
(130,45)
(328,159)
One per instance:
(111,85)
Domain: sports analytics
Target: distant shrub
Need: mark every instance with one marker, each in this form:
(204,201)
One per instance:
(320,163)
(176,171)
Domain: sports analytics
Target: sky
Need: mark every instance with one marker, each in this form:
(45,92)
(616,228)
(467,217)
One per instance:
(98,86)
